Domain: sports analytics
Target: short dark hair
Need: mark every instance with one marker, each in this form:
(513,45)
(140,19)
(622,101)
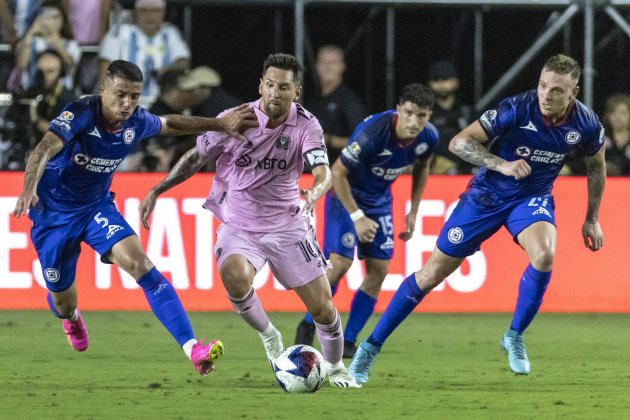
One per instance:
(169,80)
(563,64)
(125,70)
(418,94)
(284,62)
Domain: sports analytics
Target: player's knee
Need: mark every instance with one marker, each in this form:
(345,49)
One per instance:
(236,279)
(542,260)
(324,313)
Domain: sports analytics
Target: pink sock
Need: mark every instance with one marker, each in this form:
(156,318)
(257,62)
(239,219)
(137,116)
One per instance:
(251,310)
(331,340)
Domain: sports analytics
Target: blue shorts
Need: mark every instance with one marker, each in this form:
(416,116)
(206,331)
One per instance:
(58,247)
(472,222)
(341,238)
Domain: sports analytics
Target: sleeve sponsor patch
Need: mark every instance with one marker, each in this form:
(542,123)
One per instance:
(487,119)
(316,157)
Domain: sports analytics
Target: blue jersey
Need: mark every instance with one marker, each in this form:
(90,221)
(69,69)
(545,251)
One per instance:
(79,176)
(375,158)
(518,130)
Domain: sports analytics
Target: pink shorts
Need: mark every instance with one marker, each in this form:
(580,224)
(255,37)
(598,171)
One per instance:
(293,254)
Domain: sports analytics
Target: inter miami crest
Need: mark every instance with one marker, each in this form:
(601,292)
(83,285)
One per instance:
(283,142)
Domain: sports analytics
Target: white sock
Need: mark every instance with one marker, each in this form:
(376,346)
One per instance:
(270,331)
(188,345)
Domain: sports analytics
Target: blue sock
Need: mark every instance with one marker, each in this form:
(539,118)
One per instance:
(52,306)
(308,318)
(406,298)
(531,290)
(166,306)
(360,311)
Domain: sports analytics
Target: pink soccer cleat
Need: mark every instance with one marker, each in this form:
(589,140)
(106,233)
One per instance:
(76,332)
(203,356)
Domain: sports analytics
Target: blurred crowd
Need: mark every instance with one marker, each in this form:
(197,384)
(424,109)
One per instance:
(60,49)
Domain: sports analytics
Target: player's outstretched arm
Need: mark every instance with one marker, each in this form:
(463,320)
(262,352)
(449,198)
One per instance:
(420,174)
(596,179)
(185,167)
(235,121)
(468,145)
(322,181)
(48,147)
(365,227)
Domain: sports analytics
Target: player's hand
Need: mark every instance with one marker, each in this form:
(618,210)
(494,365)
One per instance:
(410,222)
(310,196)
(25,201)
(593,235)
(518,169)
(239,119)
(146,207)
(366,229)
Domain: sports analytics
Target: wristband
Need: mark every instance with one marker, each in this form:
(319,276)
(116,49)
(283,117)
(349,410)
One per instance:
(357,215)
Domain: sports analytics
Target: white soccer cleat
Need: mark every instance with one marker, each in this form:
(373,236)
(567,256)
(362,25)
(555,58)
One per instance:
(273,345)
(340,378)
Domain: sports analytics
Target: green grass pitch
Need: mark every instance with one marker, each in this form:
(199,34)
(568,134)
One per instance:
(436,366)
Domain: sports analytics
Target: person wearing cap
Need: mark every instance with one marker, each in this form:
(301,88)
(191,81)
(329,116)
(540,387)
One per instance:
(152,44)
(449,116)
(206,95)
(337,107)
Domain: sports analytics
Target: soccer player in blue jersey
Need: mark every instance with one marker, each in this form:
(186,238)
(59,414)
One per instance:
(520,146)
(359,209)
(66,194)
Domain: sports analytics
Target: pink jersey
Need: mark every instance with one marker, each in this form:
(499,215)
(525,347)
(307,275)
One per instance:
(255,186)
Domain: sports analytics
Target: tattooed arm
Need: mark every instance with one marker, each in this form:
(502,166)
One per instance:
(48,147)
(185,167)
(468,145)
(596,179)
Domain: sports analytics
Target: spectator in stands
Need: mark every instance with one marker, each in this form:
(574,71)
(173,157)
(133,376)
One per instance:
(203,85)
(449,116)
(89,20)
(617,124)
(338,109)
(152,44)
(50,31)
(16,16)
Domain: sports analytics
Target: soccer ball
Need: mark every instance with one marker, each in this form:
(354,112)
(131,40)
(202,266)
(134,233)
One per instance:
(300,369)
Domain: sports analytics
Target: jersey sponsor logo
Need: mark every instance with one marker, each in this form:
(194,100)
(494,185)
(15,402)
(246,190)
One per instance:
(455,235)
(95,133)
(572,137)
(61,123)
(530,126)
(52,275)
(244,160)
(542,210)
(81,159)
(112,229)
(388,174)
(66,116)
(129,135)
(388,244)
(283,142)
(271,163)
(421,148)
(385,153)
(523,151)
(545,156)
(488,117)
(316,157)
(348,240)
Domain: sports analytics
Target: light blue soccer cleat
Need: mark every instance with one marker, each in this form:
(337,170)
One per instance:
(363,360)
(512,344)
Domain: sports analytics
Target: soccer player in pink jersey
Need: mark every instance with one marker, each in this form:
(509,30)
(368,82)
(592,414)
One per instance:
(256,196)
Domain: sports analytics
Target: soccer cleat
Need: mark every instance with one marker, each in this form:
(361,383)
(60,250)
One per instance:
(273,346)
(349,349)
(305,333)
(76,332)
(512,344)
(341,378)
(203,356)
(363,360)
